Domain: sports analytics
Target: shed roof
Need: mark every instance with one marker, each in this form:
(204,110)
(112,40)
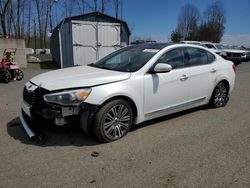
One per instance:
(98,16)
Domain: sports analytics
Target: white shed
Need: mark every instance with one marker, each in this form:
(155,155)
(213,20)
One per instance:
(76,41)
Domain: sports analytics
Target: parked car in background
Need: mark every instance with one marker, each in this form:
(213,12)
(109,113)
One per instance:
(246,52)
(129,86)
(215,47)
(142,42)
(192,42)
(234,53)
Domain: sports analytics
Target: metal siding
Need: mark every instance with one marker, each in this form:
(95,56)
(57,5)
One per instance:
(93,40)
(104,51)
(84,33)
(67,51)
(55,50)
(84,42)
(109,34)
(108,38)
(84,55)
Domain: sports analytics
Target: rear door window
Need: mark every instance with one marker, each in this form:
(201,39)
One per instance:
(196,57)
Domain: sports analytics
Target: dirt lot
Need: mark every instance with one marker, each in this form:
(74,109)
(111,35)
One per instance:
(197,148)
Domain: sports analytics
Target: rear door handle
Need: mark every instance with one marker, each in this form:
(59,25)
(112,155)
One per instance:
(213,71)
(183,78)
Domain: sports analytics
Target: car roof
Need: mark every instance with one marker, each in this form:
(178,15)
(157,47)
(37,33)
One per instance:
(153,45)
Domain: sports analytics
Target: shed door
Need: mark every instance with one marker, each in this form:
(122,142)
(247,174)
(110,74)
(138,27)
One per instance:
(84,43)
(92,41)
(108,38)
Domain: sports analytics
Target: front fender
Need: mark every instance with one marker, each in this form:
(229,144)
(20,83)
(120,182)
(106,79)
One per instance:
(132,89)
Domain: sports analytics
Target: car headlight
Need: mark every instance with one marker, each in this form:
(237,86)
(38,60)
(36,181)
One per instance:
(223,53)
(243,54)
(68,98)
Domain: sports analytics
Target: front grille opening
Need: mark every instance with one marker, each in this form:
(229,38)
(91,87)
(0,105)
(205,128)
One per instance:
(29,97)
(35,98)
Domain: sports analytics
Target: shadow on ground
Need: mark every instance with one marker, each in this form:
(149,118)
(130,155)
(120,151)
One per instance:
(168,117)
(72,135)
(51,135)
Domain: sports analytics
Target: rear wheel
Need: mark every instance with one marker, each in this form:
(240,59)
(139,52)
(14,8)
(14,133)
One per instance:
(6,76)
(220,95)
(113,120)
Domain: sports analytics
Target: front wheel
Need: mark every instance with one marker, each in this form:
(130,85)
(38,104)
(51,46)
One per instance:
(220,95)
(113,120)
(18,74)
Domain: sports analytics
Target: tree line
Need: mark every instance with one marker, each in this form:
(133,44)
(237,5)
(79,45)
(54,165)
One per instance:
(192,26)
(33,20)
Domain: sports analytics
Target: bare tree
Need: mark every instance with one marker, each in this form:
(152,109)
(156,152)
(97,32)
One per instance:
(116,5)
(215,20)
(48,5)
(34,28)
(9,18)
(188,21)
(51,14)
(3,8)
(103,6)
(175,36)
(95,5)
(29,22)
(81,5)
(18,18)
(68,7)
(23,25)
(39,7)
(13,20)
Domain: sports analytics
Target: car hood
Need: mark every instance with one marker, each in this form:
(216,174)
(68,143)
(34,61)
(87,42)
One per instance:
(80,76)
(233,51)
(215,50)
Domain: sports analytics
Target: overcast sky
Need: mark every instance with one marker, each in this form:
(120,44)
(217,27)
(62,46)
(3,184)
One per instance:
(158,18)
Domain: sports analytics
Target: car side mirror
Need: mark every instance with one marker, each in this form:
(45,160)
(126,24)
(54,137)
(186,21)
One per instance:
(162,67)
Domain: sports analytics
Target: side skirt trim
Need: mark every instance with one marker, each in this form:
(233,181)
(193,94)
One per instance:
(176,107)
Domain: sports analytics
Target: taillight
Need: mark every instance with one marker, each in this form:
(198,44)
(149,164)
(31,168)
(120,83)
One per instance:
(234,67)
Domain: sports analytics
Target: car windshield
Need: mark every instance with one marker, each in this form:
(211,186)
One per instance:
(221,46)
(129,59)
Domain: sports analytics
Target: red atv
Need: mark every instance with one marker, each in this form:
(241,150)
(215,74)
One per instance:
(9,69)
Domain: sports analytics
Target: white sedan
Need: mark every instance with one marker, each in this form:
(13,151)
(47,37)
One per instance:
(129,86)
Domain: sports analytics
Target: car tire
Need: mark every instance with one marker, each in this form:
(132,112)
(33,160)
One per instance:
(113,120)
(220,95)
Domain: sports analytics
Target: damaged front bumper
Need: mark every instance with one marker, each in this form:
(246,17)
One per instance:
(25,125)
(29,116)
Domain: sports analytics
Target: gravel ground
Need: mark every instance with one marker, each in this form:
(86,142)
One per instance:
(197,148)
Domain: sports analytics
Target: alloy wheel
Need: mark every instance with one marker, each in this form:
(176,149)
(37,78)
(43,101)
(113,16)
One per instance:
(117,121)
(220,97)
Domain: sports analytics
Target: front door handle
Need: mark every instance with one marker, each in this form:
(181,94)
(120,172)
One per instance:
(183,78)
(213,70)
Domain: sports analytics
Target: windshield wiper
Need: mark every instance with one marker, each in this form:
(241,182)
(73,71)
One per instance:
(107,68)
(98,66)
(91,64)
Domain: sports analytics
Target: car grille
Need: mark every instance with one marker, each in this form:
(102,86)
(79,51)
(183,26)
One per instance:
(29,97)
(248,54)
(35,98)
(234,55)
